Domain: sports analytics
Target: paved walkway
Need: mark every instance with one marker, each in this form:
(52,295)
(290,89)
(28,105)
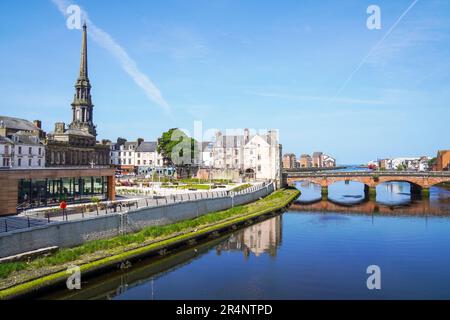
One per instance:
(38,217)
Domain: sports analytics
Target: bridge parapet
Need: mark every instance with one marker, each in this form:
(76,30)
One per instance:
(420,181)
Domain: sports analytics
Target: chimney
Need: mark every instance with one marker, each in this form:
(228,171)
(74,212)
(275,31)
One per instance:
(38,123)
(246,136)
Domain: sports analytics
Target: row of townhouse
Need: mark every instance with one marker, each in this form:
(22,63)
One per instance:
(136,156)
(318,160)
(255,156)
(405,163)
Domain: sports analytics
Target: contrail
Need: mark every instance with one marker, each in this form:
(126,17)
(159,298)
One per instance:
(363,61)
(128,64)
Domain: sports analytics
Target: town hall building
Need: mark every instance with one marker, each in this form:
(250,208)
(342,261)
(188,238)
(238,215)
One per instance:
(77,145)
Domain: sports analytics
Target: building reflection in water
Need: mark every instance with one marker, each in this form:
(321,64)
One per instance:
(264,237)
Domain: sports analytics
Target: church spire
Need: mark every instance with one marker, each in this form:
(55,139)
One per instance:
(84,63)
(82,107)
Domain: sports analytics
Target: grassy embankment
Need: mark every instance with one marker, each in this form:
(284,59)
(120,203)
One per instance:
(17,277)
(241,187)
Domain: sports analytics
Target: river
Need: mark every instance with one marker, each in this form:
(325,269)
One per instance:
(315,250)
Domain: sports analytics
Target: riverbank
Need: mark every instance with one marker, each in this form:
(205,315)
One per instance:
(25,277)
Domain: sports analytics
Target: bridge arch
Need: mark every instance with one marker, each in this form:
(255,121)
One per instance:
(420,182)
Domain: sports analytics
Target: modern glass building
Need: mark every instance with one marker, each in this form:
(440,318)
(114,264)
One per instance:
(27,189)
(45,192)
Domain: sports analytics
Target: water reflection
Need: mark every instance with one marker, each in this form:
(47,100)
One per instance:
(314,251)
(264,237)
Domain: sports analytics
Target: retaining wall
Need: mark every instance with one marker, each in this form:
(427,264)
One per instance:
(73,233)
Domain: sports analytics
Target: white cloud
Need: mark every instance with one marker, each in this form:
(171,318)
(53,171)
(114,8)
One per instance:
(127,63)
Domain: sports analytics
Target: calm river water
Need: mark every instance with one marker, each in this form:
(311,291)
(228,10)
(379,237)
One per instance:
(316,250)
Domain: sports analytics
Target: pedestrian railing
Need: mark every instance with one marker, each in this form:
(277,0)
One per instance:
(44,217)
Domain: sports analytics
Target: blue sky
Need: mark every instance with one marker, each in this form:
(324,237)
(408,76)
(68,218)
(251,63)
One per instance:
(236,64)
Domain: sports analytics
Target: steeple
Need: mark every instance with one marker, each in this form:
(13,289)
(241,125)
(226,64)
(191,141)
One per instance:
(84,63)
(82,106)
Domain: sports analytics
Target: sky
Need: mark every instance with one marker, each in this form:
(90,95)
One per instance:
(311,69)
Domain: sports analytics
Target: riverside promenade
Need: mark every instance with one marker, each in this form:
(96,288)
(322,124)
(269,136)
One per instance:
(132,217)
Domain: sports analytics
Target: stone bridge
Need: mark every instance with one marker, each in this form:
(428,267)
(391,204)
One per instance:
(420,181)
(419,208)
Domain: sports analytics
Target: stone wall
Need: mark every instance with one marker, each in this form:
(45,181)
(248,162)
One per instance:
(73,233)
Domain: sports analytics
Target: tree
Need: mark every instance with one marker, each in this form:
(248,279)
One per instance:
(432,162)
(177,148)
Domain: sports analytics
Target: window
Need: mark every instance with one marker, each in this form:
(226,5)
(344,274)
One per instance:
(39,161)
(259,168)
(138,154)
(259,157)
(129,161)
(20,150)
(19,162)
(39,151)
(139,162)
(29,162)
(30,150)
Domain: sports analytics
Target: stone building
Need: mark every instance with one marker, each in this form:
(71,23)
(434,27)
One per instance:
(77,145)
(289,161)
(317,160)
(255,156)
(305,161)
(443,160)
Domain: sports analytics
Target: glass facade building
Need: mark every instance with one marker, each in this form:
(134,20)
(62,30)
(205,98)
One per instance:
(34,193)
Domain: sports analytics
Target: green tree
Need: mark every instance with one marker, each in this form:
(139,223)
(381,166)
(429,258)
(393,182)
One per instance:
(432,162)
(177,148)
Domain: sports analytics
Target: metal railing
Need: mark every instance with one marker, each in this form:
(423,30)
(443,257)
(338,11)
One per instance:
(369,174)
(43,217)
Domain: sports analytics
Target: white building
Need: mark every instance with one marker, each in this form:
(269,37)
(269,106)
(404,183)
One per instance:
(6,152)
(22,150)
(140,156)
(406,163)
(328,161)
(256,156)
(207,154)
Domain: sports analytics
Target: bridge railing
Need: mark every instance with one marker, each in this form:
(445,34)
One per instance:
(369,174)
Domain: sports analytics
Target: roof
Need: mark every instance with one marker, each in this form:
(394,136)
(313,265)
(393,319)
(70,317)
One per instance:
(207,145)
(127,145)
(317,154)
(24,138)
(5,140)
(17,124)
(231,141)
(147,146)
(77,132)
